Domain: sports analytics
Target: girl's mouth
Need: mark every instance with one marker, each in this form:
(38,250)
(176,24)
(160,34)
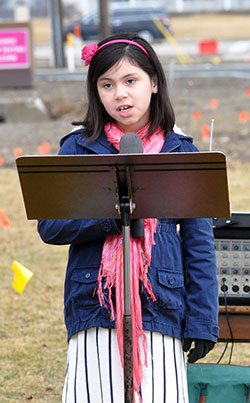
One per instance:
(124,108)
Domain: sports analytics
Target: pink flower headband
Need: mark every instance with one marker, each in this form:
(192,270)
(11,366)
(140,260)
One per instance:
(88,51)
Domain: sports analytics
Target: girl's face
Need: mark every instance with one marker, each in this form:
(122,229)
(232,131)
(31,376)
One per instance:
(125,91)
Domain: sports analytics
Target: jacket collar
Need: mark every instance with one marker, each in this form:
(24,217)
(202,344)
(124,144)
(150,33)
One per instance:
(102,145)
(173,141)
(99,146)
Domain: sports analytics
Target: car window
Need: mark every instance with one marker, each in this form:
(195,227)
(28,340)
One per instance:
(137,11)
(125,13)
(92,18)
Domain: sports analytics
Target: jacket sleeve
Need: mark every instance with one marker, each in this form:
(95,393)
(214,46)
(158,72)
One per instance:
(201,279)
(62,232)
(201,274)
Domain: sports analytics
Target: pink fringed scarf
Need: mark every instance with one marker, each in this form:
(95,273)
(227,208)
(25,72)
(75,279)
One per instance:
(111,269)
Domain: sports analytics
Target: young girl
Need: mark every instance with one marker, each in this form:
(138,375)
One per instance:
(175,273)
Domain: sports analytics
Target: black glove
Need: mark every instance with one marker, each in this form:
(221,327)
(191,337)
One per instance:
(201,348)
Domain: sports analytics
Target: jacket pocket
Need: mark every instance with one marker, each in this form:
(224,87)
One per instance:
(86,275)
(84,285)
(169,289)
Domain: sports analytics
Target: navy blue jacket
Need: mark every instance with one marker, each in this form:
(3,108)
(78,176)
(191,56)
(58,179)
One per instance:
(182,270)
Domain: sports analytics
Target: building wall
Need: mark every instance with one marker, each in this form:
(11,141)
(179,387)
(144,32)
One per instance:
(206,5)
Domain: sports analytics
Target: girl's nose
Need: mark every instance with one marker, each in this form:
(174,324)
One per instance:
(121,92)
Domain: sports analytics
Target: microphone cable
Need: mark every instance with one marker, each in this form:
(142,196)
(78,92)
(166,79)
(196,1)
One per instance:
(229,327)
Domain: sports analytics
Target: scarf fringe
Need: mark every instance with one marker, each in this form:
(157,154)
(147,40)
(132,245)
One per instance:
(111,275)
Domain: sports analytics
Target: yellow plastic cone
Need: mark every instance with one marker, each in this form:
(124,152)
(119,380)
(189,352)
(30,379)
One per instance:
(22,276)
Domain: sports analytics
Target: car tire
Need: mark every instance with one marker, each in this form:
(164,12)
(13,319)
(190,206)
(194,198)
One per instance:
(147,35)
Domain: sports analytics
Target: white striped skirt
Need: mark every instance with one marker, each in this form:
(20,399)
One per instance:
(94,373)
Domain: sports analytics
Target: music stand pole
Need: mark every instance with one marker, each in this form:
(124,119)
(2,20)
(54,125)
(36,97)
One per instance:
(125,209)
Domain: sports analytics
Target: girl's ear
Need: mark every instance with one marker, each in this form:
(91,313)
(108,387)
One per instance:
(154,85)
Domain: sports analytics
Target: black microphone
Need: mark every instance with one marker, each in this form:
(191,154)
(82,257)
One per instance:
(131,143)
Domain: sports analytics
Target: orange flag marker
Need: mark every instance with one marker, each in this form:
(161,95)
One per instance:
(205,133)
(214,103)
(4,221)
(196,114)
(243,116)
(1,160)
(17,151)
(247,92)
(44,148)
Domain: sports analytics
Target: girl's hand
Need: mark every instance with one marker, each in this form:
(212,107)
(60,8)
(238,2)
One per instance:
(200,349)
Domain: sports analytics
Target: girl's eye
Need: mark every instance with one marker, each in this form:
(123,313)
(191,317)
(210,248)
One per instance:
(131,81)
(107,85)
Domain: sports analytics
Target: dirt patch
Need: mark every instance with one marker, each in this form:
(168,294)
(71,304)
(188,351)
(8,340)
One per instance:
(225,100)
(196,101)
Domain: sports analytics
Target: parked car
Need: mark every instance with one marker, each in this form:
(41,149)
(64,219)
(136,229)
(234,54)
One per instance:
(124,17)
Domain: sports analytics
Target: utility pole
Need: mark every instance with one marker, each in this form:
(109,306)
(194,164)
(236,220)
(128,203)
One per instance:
(55,14)
(104,29)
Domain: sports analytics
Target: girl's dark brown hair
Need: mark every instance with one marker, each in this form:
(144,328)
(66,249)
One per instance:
(161,110)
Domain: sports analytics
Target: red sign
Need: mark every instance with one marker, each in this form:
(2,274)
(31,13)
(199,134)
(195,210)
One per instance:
(14,48)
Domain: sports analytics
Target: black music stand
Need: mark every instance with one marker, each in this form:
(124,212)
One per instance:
(176,185)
